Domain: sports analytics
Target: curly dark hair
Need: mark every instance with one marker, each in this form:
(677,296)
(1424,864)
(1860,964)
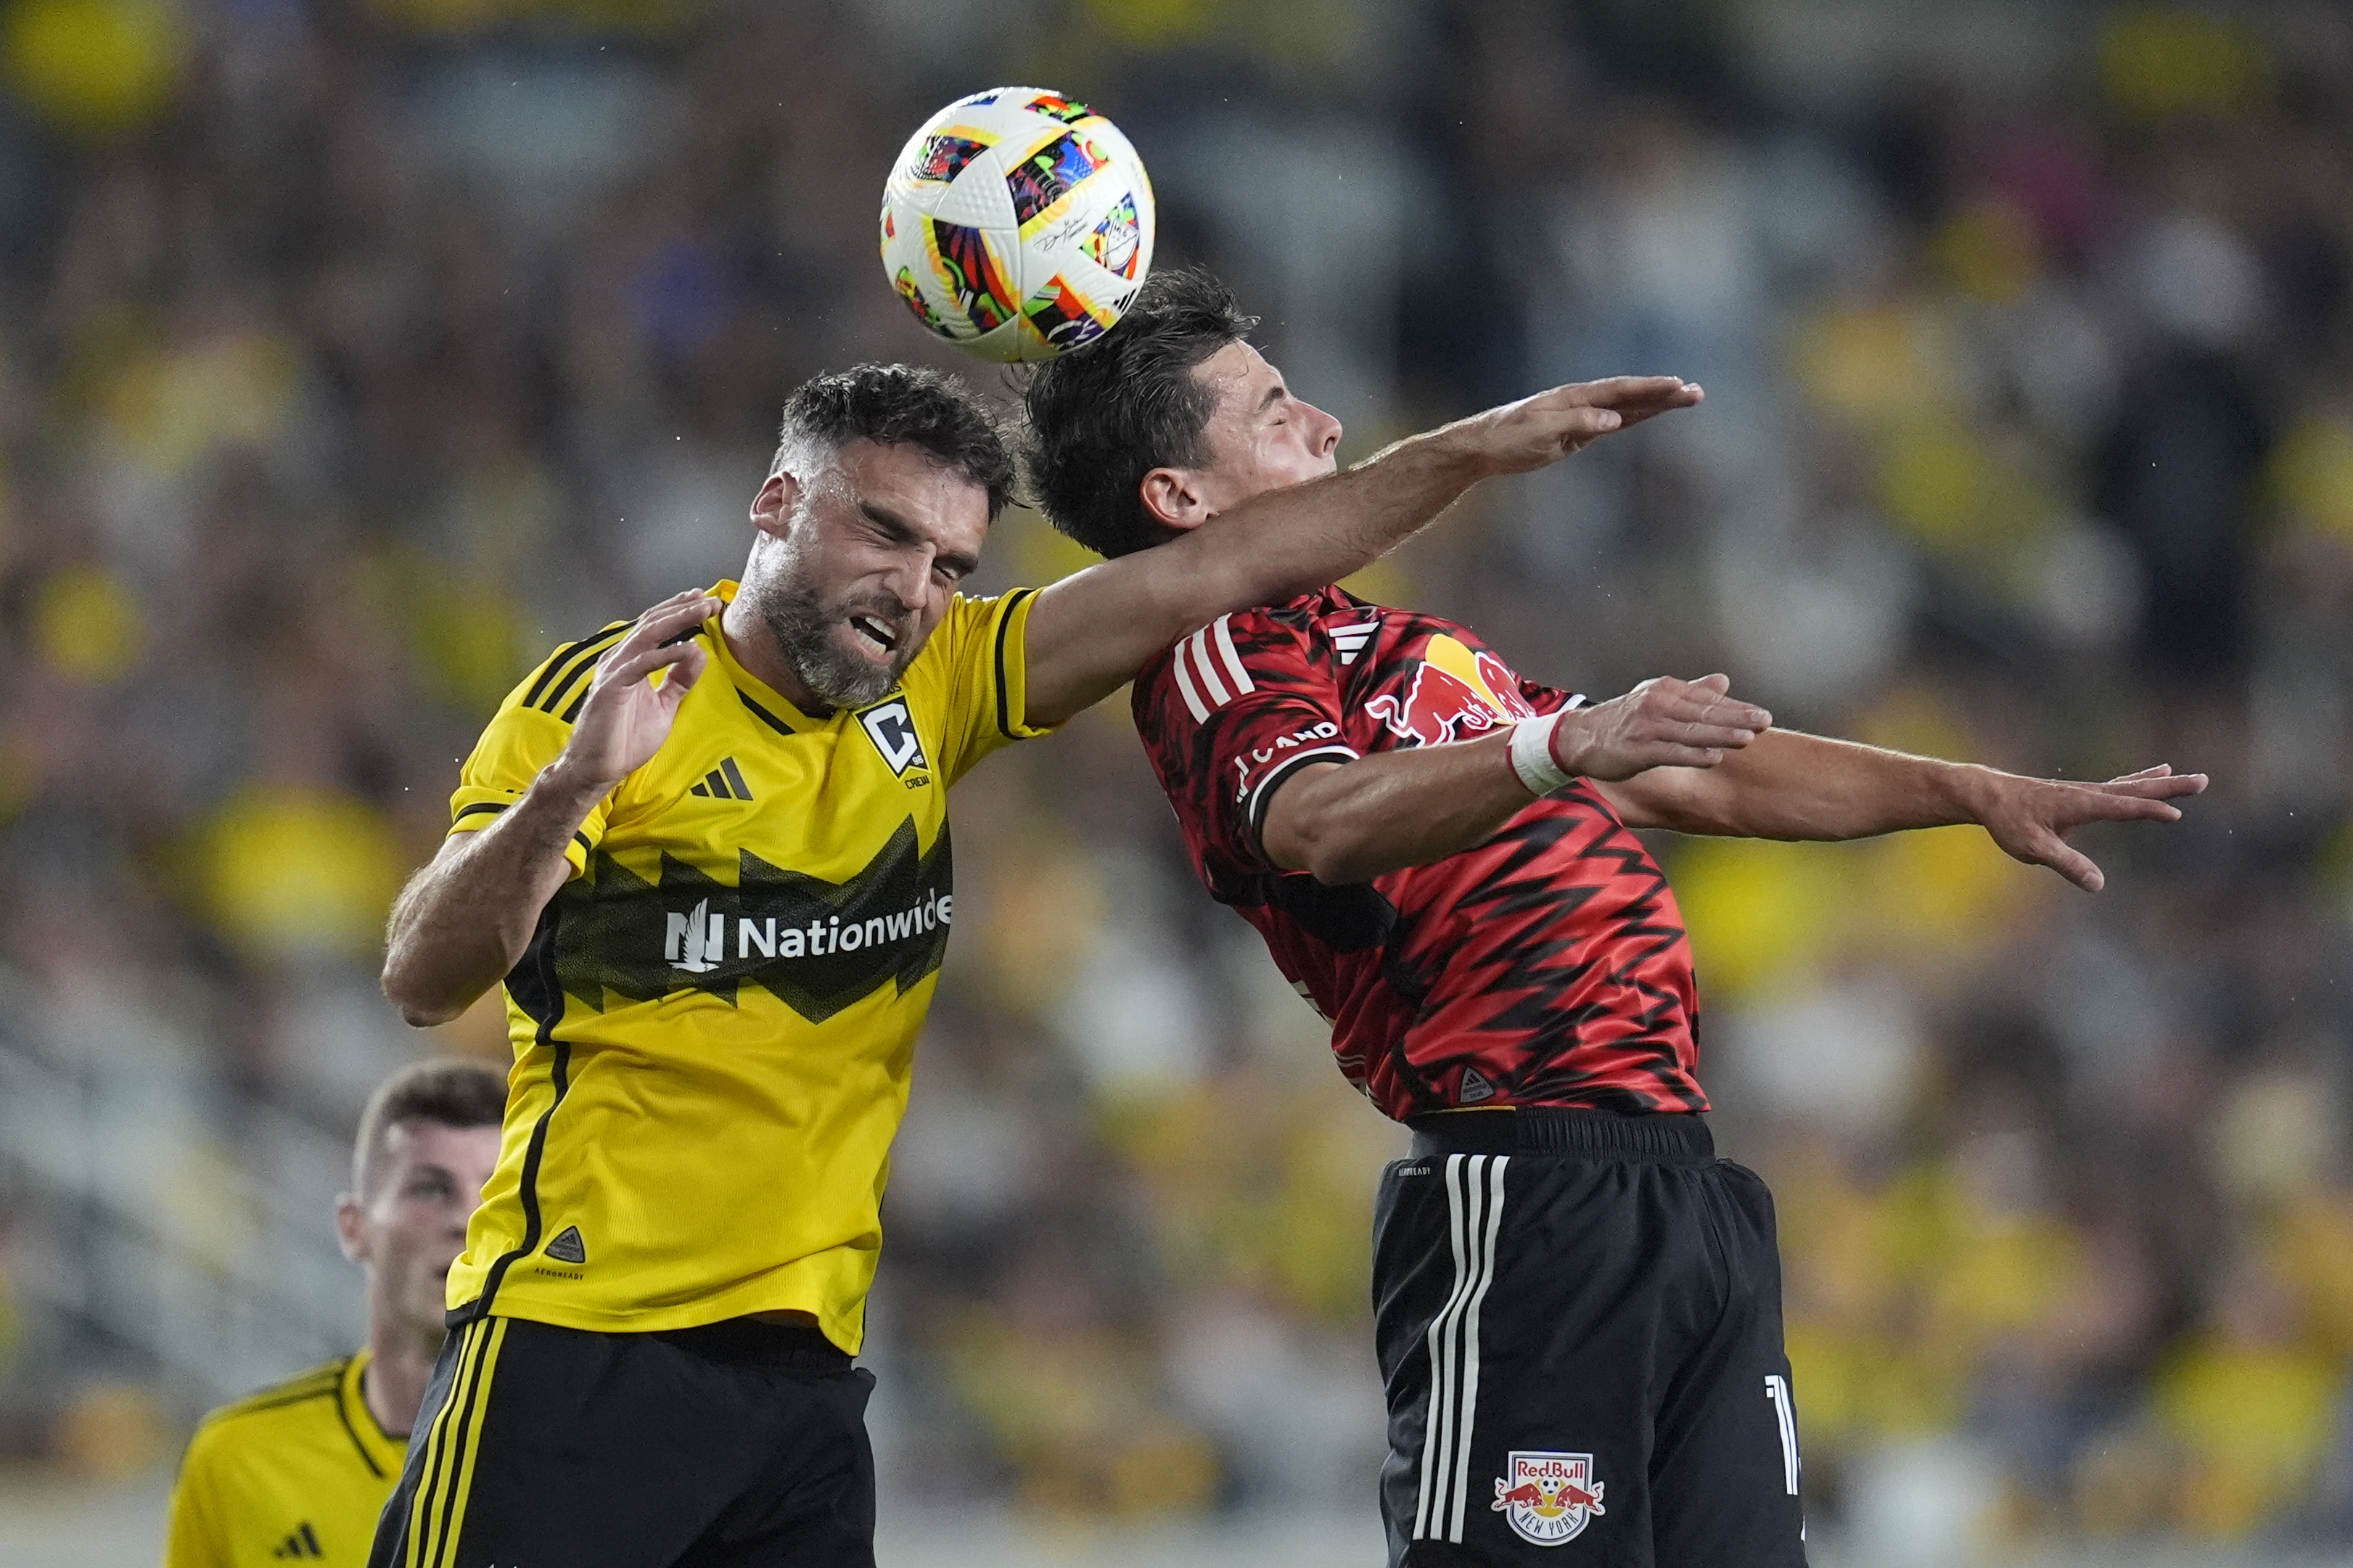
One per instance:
(1103,416)
(897,405)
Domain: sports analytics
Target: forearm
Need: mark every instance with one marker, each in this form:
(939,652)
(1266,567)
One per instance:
(1350,822)
(1797,786)
(1293,540)
(464,921)
(1091,632)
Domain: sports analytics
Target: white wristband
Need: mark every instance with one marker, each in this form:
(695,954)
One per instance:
(1532,756)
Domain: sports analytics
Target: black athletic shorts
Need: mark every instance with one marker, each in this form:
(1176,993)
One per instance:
(1579,1316)
(741,1443)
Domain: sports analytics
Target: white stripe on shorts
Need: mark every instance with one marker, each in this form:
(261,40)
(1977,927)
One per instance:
(1474,1215)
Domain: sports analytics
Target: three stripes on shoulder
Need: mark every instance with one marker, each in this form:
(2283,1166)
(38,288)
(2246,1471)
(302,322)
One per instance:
(565,676)
(1209,658)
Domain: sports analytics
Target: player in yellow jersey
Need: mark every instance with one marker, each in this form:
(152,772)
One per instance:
(299,1472)
(708,852)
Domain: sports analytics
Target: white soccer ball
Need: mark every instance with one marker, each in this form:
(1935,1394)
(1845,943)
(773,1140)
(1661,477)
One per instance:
(1016,223)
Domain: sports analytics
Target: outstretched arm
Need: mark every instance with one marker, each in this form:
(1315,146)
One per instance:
(1091,632)
(1789,785)
(1350,822)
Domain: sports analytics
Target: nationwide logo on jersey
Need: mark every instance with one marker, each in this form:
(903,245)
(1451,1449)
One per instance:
(1548,1497)
(816,946)
(1455,693)
(892,729)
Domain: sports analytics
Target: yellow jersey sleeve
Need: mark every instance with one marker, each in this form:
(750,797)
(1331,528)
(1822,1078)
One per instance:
(528,732)
(981,687)
(192,1538)
(296,1472)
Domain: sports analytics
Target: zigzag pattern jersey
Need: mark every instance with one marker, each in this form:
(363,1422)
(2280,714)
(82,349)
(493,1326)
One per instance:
(714,1021)
(297,1473)
(1546,966)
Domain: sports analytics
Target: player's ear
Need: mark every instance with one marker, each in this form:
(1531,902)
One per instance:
(348,1230)
(1173,496)
(772,509)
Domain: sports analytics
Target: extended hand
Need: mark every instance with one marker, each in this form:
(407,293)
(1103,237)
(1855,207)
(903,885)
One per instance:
(2031,818)
(1545,428)
(1663,722)
(626,719)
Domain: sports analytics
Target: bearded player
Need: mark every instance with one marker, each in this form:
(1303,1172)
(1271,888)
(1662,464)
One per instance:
(707,851)
(1578,1306)
(299,1472)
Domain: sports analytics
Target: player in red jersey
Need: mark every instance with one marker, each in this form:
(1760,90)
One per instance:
(1578,1305)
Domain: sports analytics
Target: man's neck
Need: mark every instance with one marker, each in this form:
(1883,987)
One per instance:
(754,647)
(400,1362)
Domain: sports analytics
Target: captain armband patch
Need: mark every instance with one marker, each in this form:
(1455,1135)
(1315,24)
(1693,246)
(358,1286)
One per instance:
(1251,766)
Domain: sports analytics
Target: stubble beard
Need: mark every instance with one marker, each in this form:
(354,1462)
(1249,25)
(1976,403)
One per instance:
(804,629)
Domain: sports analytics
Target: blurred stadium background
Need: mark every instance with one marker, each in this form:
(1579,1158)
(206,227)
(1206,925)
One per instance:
(353,351)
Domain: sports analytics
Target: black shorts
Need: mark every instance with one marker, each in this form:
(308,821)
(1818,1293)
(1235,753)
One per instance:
(1579,1323)
(740,1443)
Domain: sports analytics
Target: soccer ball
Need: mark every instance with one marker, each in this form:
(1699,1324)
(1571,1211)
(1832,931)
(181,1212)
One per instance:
(1016,223)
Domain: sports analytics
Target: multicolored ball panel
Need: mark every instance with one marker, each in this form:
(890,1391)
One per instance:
(1062,320)
(1116,244)
(1042,181)
(1054,106)
(967,267)
(932,321)
(944,154)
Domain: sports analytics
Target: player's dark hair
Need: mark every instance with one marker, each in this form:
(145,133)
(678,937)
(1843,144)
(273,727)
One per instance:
(450,1091)
(1103,416)
(901,405)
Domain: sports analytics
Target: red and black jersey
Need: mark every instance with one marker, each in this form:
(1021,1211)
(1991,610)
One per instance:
(1546,966)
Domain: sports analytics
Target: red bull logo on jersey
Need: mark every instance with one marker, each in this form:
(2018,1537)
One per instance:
(1453,694)
(1547,1499)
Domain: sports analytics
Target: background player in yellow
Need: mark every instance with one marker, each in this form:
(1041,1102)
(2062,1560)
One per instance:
(299,1472)
(708,852)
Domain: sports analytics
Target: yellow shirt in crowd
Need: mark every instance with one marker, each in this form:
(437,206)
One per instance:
(297,1473)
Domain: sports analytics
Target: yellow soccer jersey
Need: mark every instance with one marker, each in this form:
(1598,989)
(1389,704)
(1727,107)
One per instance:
(715,1022)
(296,1474)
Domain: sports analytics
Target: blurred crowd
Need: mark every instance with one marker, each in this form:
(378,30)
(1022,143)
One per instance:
(352,352)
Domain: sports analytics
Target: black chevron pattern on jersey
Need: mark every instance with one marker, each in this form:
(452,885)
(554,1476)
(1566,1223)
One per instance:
(1529,976)
(617,933)
(1544,966)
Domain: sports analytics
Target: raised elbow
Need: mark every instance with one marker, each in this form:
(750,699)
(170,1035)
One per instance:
(1336,868)
(1337,856)
(426,1018)
(417,1008)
